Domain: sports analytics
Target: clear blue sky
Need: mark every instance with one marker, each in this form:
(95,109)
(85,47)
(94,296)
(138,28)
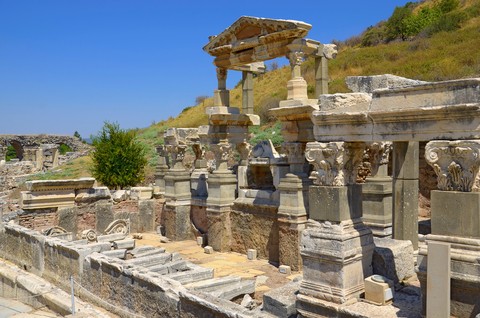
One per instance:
(69,65)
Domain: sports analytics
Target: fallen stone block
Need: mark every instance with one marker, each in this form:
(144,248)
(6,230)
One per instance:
(169,268)
(213,284)
(121,253)
(194,275)
(111,237)
(100,247)
(151,252)
(280,302)
(150,260)
(208,250)
(126,244)
(393,259)
(284,269)
(234,290)
(141,249)
(252,254)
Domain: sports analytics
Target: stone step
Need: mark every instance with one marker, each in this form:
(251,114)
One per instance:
(213,284)
(195,274)
(234,290)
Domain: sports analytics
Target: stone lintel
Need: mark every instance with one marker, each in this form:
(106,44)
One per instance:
(47,199)
(51,185)
(294,111)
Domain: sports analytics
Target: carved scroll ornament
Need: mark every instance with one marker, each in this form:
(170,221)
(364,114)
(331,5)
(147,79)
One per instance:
(379,153)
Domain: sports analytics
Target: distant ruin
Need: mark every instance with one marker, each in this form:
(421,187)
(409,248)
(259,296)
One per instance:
(304,207)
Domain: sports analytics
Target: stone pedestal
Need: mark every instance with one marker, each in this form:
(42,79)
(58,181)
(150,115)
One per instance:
(336,250)
(292,217)
(336,259)
(377,205)
(221,194)
(177,206)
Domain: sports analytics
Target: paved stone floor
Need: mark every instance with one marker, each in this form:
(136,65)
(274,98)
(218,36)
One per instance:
(266,275)
(15,309)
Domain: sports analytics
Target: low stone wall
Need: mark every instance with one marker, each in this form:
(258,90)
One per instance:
(255,226)
(108,282)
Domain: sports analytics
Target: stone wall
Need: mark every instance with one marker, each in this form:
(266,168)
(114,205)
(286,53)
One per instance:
(255,227)
(123,288)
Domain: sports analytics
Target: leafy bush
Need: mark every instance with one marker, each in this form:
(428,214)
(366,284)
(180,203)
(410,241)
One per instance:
(267,132)
(11,153)
(118,160)
(63,149)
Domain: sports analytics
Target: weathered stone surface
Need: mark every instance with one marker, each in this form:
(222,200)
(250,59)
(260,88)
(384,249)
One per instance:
(335,203)
(254,226)
(73,184)
(234,290)
(212,284)
(92,195)
(120,195)
(344,102)
(47,199)
(393,259)
(141,193)
(336,258)
(465,206)
(367,84)
(280,302)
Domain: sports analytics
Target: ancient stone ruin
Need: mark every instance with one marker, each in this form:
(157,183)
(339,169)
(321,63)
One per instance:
(339,202)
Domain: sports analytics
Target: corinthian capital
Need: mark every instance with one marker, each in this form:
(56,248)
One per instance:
(336,163)
(378,154)
(295,152)
(244,149)
(177,152)
(456,163)
(222,152)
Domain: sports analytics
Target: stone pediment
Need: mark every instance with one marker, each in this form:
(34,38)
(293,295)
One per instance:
(251,39)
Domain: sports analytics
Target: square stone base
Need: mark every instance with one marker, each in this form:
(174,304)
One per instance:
(335,204)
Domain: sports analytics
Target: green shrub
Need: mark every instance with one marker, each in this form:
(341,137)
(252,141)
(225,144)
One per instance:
(118,160)
(11,153)
(63,149)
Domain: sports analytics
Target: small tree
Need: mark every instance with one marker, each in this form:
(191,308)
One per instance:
(118,160)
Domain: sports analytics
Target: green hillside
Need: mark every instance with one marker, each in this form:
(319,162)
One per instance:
(432,40)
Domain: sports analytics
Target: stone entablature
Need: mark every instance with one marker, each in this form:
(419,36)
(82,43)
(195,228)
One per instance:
(52,185)
(252,39)
(432,111)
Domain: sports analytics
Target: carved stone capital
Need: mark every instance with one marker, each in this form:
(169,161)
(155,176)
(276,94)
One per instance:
(295,152)
(162,151)
(245,150)
(177,152)
(378,155)
(456,163)
(222,152)
(336,163)
(222,78)
(296,58)
(199,151)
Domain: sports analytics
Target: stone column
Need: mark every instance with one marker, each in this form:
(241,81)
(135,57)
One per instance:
(162,168)
(336,246)
(296,86)
(177,195)
(405,191)
(455,221)
(377,191)
(222,184)
(325,52)
(247,92)
(3,154)
(221,96)
(292,211)
(199,175)
(244,149)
